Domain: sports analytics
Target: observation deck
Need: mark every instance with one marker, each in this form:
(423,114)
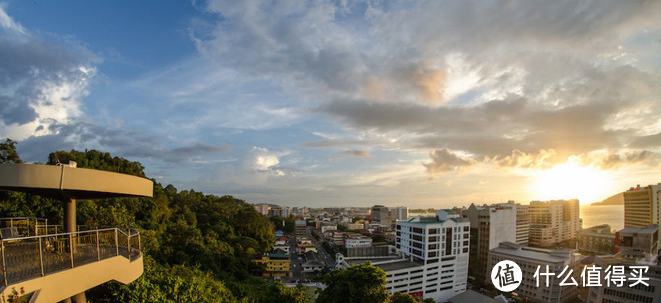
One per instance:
(52,267)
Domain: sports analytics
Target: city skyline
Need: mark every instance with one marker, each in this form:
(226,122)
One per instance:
(436,104)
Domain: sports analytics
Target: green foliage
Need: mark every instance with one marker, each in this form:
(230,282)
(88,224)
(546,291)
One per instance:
(191,241)
(362,283)
(8,153)
(161,283)
(97,160)
(378,238)
(399,297)
(289,224)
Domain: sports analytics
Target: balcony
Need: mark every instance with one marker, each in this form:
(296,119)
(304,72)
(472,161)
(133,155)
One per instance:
(51,267)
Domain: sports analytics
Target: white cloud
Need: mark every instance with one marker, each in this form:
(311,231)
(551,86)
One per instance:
(43,83)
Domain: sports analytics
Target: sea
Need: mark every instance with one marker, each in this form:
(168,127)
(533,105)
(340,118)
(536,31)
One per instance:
(612,215)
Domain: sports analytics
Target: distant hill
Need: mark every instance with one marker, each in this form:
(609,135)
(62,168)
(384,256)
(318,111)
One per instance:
(617,199)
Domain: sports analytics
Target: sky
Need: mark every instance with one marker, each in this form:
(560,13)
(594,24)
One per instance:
(345,103)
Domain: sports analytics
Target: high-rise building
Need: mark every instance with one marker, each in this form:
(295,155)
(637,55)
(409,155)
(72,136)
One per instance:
(300,228)
(441,245)
(263,208)
(522,223)
(399,213)
(641,206)
(553,222)
(380,215)
(489,226)
(432,259)
(529,259)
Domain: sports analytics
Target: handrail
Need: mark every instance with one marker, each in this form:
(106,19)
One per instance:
(30,257)
(79,232)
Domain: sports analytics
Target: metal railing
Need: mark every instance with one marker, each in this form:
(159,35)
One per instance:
(26,226)
(26,258)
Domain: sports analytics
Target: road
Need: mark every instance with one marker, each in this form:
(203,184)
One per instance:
(328,259)
(295,263)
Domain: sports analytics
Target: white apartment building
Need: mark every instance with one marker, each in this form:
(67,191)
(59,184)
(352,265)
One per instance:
(553,222)
(528,259)
(440,245)
(433,257)
(490,225)
(522,221)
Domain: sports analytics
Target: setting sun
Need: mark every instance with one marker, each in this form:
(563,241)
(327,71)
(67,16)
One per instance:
(570,180)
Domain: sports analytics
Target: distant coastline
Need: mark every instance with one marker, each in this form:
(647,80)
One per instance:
(617,199)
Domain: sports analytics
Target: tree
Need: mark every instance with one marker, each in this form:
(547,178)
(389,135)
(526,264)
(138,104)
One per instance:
(399,297)
(362,283)
(8,153)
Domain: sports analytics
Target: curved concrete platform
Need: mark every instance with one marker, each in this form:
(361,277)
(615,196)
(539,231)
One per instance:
(64,182)
(67,283)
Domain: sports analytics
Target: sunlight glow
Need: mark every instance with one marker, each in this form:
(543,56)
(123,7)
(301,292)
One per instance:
(571,180)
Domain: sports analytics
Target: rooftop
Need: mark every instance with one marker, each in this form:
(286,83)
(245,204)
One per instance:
(650,229)
(539,254)
(471,296)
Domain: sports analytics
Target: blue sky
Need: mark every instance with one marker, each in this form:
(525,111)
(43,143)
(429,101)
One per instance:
(341,103)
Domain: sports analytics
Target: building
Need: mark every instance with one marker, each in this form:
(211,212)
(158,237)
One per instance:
(356,240)
(471,296)
(641,206)
(553,222)
(399,213)
(529,259)
(263,208)
(353,226)
(637,241)
(301,228)
(611,293)
(276,212)
(430,258)
(522,221)
(328,226)
(312,264)
(380,215)
(439,246)
(489,226)
(282,243)
(597,239)
(275,265)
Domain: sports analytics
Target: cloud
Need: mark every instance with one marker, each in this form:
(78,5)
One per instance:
(125,142)
(544,159)
(43,82)
(356,153)
(614,160)
(444,160)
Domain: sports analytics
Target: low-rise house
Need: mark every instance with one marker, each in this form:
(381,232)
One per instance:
(275,264)
(597,239)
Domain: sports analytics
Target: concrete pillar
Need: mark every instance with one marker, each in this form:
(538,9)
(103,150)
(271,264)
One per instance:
(70,226)
(69,215)
(79,298)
